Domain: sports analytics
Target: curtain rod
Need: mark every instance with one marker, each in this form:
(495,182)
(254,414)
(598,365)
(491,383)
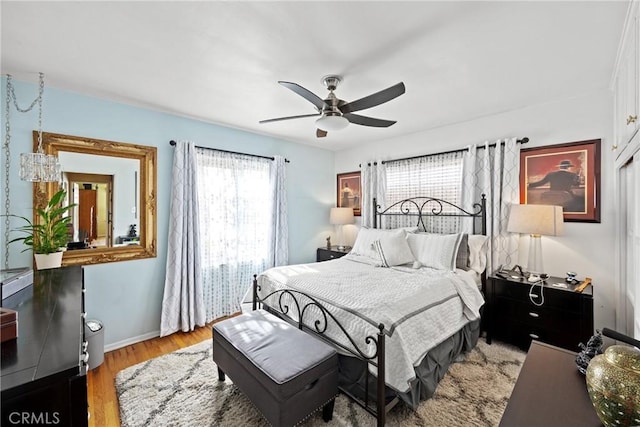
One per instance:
(519,141)
(173,144)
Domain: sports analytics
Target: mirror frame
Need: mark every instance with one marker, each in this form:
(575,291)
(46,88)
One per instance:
(42,191)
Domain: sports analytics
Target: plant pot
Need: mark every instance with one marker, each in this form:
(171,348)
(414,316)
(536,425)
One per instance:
(613,382)
(46,261)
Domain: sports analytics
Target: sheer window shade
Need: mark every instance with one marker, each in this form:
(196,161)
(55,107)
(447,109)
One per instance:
(438,176)
(235,222)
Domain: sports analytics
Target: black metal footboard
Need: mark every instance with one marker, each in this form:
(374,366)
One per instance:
(291,304)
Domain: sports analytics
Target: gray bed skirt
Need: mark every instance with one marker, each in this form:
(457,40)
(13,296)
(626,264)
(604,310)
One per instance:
(429,372)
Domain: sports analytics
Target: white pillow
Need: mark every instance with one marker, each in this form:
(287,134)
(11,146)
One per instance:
(363,245)
(478,245)
(437,251)
(393,250)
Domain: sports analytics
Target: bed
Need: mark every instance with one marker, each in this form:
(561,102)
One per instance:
(400,307)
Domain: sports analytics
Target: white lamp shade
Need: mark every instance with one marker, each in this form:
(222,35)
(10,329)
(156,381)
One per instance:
(341,216)
(545,220)
(332,123)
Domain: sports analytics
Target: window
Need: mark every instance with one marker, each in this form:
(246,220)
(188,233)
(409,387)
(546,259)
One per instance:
(236,200)
(438,176)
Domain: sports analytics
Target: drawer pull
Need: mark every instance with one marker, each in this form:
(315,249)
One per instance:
(534,336)
(631,119)
(532,314)
(534,296)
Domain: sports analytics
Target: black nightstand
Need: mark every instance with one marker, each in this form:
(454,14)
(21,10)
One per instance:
(324,254)
(565,319)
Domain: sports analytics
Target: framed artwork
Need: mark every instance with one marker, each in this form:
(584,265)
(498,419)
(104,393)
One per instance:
(349,192)
(567,175)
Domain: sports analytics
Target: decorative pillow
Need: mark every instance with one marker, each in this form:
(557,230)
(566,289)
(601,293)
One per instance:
(478,246)
(363,245)
(393,250)
(437,251)
(462,257)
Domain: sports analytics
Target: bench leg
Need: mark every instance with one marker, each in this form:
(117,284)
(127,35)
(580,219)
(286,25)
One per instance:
(327,410)
(220,374)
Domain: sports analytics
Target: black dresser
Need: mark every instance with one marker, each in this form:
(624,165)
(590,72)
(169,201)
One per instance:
(44,370)
(517,313)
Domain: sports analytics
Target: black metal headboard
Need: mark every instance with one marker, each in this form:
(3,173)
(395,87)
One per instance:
(425,206)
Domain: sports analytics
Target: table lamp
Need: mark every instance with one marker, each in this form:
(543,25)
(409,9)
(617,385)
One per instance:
(537,221)
(340,217)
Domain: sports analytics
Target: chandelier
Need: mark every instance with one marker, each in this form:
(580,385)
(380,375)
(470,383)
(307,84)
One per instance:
(38,166)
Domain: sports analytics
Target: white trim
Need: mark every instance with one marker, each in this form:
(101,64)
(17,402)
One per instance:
(132,340)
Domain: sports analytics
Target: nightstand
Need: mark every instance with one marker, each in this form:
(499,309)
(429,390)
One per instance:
(324,254)
(565,319)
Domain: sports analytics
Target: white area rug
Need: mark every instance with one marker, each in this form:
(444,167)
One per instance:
(182,389)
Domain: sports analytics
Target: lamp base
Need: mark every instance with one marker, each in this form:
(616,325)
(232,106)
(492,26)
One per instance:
(535,255)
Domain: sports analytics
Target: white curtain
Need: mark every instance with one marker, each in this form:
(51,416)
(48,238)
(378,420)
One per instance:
(374,178)
(243,225)
(183,304)
(279,246)
(495,172)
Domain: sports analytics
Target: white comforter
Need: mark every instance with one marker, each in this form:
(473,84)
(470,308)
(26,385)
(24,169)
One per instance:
(419,308)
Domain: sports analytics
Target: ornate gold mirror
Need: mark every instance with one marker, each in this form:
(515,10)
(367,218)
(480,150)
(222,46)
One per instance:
(113,185)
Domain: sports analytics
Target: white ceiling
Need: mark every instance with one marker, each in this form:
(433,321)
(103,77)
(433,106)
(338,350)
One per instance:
(220,61)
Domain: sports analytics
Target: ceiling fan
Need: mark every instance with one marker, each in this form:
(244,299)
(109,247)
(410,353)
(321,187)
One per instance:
(335,114)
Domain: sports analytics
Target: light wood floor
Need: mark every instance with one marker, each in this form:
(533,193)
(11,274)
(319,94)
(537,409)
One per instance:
(103,402)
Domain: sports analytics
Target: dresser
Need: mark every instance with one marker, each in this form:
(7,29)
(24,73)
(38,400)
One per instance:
(44,369)
(518,313)
(324,254)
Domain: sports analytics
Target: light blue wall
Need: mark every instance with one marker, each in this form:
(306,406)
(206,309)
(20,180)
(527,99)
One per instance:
(127,296)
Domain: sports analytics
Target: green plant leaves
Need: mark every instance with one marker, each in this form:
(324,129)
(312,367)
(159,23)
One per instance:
(50,232)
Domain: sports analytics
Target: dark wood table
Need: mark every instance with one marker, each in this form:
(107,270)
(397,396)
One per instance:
(550,391)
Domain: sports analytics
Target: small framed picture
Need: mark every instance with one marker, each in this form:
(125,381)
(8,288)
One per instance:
(349,191)
(567,175)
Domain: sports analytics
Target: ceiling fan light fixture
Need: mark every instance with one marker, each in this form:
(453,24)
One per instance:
(332,123)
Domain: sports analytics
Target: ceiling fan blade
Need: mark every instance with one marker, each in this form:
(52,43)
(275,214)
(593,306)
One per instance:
(375,99)
(321,133)
(368,121)
(289,118)
(306,94)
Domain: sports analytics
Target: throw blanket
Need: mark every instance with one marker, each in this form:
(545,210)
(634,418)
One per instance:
(419,308)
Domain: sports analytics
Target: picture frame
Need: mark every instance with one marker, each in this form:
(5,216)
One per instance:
(564,174)
(349,192)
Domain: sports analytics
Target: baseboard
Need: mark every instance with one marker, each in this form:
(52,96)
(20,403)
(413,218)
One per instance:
(132,340)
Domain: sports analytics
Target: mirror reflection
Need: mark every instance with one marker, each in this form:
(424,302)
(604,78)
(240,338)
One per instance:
(104,190)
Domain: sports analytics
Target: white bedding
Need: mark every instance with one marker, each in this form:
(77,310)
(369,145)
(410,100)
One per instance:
(419,308)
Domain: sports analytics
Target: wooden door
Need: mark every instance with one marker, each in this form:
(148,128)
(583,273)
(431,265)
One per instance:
(87,211)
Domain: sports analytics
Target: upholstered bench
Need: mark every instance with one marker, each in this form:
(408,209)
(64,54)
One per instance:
(285,372)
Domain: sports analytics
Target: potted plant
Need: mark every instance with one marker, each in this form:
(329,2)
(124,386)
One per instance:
(48,235)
